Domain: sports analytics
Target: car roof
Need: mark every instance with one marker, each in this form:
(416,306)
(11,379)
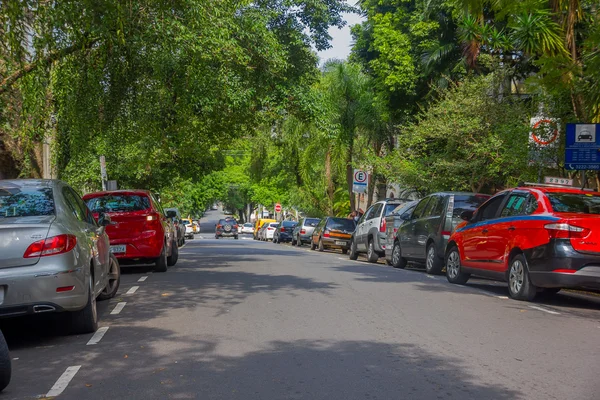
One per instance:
(557,189)
(117,192)
(31,182)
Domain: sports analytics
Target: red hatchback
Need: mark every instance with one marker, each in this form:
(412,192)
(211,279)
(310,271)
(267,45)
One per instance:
(140,233)
(538,238)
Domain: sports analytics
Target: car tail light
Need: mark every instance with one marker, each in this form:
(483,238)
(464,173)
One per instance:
(383,225)
(282,229)
(270,229)
(326,234)
(303,232)
(219,226)
(51,246)
(235,227)
(565,271)
(566,231)
(64,289)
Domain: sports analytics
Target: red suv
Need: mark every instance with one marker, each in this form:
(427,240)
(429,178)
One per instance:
(140,233)
(538,238)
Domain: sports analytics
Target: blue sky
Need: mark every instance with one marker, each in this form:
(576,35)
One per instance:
(341,40)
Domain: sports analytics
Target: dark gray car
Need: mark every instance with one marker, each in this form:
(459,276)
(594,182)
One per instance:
(425,232)
(53,255)
(303,231)
(393,222)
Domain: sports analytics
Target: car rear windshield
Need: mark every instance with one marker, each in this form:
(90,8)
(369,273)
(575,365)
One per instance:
(25,202)
(289,223)
(311,221)
(467,202)
(186,222)
(389,208)
(118,203)
(228,221)
(248,225)
(273,224)
(341,224)
(581,203)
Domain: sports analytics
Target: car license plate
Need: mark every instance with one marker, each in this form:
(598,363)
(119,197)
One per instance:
(117,249)
(340,242)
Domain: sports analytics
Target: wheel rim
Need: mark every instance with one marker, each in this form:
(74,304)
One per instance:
(370,251)
(396,255)
(113,277)
(517,275)
(430,258)
(453,264)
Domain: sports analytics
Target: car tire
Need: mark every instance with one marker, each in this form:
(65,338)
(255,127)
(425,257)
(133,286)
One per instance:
(321,247)
(172,259)
(160,264)
(397,260)
(293,242)
(299,242)
(114,280)
(5,363)
(86,319)
(344,251)
(216,236)
(353,254)
(433,264)
(519,283)
(312,245)
(372,255)
(236,237)
(454,272)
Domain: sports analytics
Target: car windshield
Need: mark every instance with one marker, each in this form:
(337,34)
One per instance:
(25,202)
(391,208)
(248,225)
(341,224)
(581,203)
(312,222)
(227,221)
(467,202)
(118,203)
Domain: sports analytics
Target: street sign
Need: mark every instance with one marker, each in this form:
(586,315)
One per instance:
(582,150)
(544,132)
(551,180)
(359,182)
(277,207)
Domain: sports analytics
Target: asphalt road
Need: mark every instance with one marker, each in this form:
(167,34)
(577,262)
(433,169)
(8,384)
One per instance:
(239,319)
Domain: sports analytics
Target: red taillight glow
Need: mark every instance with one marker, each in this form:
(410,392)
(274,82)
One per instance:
(566,231)
(219,226)
(51,246)
(302,232)
(282,229)
(383,225)
(326,234)
(235,227)
(64,289)
(565,271)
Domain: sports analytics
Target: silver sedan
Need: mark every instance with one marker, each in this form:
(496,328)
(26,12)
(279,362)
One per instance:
(54,257)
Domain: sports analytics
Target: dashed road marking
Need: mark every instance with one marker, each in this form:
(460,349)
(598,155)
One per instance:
(544,310)
(431,277)
(132,290)
(98,336)
(64,380)
(118,308)
(142,279)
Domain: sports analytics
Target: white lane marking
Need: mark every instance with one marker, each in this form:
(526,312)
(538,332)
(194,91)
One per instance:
(62,382)
(142,279)
(98,336)
(544,310)
(118,308)
(431,277)
(132,290)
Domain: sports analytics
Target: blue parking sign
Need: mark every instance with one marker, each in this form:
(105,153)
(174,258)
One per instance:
(582,150)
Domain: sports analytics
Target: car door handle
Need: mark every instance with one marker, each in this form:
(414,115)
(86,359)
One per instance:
(484,231)
(512,228)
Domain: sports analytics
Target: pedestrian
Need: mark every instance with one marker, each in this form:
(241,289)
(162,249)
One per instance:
(352,215)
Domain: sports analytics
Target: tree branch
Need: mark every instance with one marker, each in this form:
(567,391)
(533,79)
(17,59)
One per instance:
(50,58)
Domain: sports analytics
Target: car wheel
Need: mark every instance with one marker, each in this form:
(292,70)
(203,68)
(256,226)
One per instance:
(160,265)
(433,264)
(236,237)
(353,253)
(312,245)
(299,242)
(172,260)
(453,270)
(397,260)
(321,247)
(114,280)
(344,251)
(86,319)
(372,256)
(216,236)
(519,284)
(5,363)
(293,242)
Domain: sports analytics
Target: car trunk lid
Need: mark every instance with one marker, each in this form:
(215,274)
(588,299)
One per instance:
(17,234)
(128,224)
(584,231)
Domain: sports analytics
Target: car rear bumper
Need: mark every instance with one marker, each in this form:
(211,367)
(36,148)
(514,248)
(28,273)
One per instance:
(559,265)
(285,236)
(337,243)
(32,289)
(231,233)
(147,245)
(306,237)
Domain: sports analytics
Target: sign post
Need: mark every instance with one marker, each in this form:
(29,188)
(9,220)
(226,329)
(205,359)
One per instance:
(359,182)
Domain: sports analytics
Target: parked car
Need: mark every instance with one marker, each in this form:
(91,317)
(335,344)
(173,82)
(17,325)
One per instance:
(54,257)
(302,233)
(283,231)
(392,223)
(175,216)
(269,230)
(259,224)
(333,233)
(423,236)
(5,363)
(248,228)
(140,232)
(196,226)
(536,238)
(189,228)
(226,227)
(370,234)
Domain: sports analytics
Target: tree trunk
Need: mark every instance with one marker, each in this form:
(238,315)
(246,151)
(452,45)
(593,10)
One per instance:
(370,190)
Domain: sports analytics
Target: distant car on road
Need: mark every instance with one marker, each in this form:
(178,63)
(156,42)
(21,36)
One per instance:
(536,238)
(333,233)
(248,227)
(189,228)
(226,227)
(54,257)
(140,232)
(259,224)
(302,233)
(268,231)
(283,231)
(175,216)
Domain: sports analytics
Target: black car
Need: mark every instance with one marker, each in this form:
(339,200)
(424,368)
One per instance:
(284,230)
(226,227)
(424,234)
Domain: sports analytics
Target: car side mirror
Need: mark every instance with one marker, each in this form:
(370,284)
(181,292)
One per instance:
(104,220)
(466,215)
